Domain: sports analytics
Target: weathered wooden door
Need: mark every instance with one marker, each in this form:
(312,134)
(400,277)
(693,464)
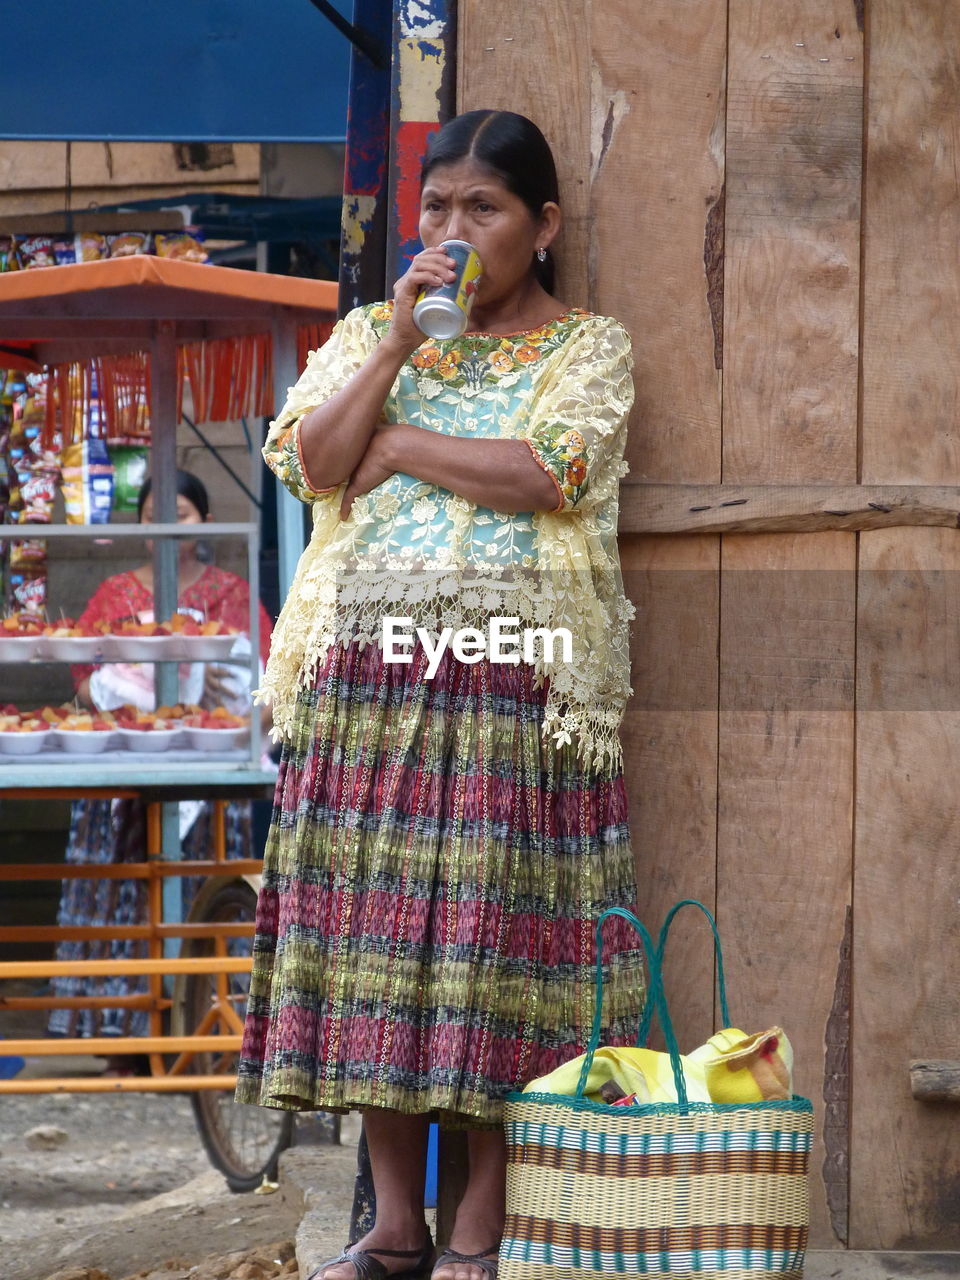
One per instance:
(766,194)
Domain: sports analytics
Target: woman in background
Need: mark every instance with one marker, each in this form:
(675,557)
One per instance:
(114,830)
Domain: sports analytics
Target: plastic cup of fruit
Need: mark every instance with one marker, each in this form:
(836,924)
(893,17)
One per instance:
(23,742)
(148,739)
(83,741)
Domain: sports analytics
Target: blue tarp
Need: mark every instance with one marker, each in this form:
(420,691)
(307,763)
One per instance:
(177,71)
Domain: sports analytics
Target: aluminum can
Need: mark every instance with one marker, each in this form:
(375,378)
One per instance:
(443,310)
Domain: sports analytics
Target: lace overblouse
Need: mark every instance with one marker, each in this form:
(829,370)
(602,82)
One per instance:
(418,551)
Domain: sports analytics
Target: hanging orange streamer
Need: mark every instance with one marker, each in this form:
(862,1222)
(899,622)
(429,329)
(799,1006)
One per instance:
(228,378)
(309,338)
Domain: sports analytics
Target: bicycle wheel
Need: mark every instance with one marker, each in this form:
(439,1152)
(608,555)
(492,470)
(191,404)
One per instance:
(243,1142)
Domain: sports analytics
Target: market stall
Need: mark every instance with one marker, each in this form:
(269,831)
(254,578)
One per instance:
(235,341)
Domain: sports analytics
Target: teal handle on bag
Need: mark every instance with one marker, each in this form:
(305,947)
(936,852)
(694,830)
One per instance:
(661,947)
(655,999)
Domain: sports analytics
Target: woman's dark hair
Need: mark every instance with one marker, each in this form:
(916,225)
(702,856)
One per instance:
(512,148)
(188,486)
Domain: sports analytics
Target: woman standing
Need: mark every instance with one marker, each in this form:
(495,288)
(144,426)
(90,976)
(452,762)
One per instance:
(114,830)
(447,829)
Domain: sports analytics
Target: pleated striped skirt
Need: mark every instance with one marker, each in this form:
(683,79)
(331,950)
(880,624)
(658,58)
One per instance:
(432,878)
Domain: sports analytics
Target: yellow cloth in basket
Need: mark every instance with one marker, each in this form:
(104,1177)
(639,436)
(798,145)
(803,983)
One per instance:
(731,1067)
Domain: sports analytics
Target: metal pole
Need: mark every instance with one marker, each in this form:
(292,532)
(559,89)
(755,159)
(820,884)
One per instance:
(363,244)
(423,97)
(163,469)
(290,511)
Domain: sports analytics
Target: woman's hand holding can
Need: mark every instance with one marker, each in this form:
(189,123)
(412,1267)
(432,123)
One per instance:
(429,269)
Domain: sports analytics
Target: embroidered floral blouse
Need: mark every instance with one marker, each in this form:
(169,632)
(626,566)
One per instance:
(418,550)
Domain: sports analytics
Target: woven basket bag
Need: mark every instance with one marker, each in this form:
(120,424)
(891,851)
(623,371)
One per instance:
(658,1189)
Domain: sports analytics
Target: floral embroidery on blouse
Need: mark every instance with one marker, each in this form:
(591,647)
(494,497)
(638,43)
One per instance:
(282,455)
(283,458)
(562,454)
(489,354)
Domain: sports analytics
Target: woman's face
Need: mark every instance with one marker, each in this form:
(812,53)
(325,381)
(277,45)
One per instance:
(465,201)
(187,513)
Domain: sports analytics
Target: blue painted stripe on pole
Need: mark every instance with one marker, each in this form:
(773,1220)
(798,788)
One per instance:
(427,29)
(362,257)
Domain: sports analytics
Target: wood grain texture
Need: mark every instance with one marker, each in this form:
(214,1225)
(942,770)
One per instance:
(785,795)
(911,315)
(905,1158)
(935,1081)
(657,250)
(794,126)
(670,750)
(773,508)
(535,58)
(787,645)
(905,1167)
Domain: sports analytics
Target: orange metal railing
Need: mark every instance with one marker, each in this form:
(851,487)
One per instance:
(219,1029)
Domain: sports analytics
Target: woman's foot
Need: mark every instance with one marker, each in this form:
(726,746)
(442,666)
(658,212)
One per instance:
(455,1264)
(366,1261)
(475,1239)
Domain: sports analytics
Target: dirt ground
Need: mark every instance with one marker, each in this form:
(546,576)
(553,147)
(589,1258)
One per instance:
(120,1183)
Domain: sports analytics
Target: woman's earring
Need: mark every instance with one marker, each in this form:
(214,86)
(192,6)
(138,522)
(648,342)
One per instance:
(541,254)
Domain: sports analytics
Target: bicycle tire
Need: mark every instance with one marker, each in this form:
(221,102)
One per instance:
(244,1143)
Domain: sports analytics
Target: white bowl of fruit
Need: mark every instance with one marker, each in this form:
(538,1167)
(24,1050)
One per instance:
(193,641)
(20,636)
(216,730)
(148,730)
(66,641)
(22,733)
(84,732)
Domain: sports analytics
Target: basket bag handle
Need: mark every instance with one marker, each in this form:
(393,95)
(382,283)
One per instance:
(655,999)
(647,1017)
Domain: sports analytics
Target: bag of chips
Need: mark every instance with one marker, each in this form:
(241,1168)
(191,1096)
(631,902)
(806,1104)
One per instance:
(28,554)
(130,463)
(35,251)
(90,246)
(187,245)
(28,590)
(65,251)
(8,254)
(126,244)
(86,480)
(38,490)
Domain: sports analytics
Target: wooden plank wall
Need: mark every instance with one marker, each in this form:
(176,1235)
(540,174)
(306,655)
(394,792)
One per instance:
(787,267)
(907,881)
(790,412)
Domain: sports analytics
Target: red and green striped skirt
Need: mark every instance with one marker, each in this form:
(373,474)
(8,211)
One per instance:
(431,881)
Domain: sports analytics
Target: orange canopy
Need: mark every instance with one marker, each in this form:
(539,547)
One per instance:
(69,312)
(225,323)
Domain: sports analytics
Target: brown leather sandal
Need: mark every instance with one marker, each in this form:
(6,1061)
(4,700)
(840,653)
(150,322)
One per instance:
(482,1260)
(366,1266)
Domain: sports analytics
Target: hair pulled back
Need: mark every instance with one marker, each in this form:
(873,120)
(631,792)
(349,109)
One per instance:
(188,486)
(514,150)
